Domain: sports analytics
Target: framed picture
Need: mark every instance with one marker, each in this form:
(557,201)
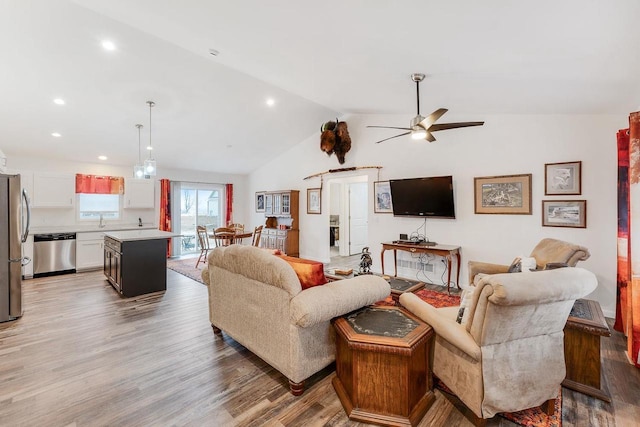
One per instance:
(260,201)
(314,203)
(382,197)
(507,194)
(564,213)
(562,178)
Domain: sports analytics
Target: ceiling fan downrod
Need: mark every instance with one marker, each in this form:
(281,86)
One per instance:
(417,77)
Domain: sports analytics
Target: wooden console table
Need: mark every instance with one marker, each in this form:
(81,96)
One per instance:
(585,326)
(446,251)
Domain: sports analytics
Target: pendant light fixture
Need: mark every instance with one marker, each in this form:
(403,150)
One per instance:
(150,163)
(138,169)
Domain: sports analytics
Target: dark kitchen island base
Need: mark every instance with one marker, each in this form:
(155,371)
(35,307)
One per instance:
(136,266)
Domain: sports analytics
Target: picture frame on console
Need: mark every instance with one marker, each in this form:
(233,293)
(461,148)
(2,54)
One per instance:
(563,178)
(564,213)
(260,201)
(314,202)
(382,197)
(506,194)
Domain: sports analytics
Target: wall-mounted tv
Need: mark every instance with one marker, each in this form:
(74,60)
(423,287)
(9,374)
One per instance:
(423,197)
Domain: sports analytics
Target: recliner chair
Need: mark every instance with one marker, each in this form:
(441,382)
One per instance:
(509,355)
(546,251)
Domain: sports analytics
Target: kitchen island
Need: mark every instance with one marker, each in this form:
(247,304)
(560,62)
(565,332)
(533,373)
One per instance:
(135,261)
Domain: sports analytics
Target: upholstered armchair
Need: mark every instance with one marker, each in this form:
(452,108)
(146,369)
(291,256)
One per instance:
(508,353)
(546,251)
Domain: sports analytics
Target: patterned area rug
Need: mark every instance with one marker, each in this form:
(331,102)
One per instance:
(435,298)
(187,267)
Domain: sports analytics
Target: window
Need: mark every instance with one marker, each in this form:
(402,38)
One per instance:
(92,206)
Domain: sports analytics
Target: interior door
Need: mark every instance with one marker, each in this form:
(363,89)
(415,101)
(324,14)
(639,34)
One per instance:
(358,217)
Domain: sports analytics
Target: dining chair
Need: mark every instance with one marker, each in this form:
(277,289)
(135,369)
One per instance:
(239,228)
(224,236)
(257,232)
(203,240)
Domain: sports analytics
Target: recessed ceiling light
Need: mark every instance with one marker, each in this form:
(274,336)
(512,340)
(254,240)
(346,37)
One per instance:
(56,134)
(271,102)
(58,101)
(108,45)
(102,157)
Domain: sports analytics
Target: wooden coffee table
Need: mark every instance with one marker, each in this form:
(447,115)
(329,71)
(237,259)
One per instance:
(382,366)
(398,285)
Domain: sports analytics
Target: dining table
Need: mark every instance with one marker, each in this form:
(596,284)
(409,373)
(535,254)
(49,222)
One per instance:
(236,237)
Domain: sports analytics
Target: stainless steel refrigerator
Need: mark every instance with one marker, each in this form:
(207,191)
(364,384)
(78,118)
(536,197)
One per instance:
(14,229)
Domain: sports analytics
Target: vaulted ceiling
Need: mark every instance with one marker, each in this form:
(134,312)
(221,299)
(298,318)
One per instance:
(316,60)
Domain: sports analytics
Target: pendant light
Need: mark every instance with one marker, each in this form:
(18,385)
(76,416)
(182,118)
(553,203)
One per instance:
(138,169)
(150,163)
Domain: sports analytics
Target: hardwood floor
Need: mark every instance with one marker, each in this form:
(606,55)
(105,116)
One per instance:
(83,356)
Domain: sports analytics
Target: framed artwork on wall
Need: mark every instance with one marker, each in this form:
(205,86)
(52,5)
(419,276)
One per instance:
(507,194)
(260,201)
(314,203)
(563,178)
(382,197)
(564,213)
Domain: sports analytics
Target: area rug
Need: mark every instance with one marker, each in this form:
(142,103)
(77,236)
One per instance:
(434,298)
(187,267)
(533,417)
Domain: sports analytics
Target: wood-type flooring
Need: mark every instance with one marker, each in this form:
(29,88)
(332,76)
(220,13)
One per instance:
(83,356)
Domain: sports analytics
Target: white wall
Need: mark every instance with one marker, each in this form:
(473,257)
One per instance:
(46,217)
(505,145)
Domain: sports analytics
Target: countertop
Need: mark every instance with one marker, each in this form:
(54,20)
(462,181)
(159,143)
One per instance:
(130,235)
(89,228)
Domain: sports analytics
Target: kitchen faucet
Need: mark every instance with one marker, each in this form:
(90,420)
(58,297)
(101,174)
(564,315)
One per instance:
(102,223)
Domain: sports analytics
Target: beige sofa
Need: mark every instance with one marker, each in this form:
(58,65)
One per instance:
(509,355)
(256,298)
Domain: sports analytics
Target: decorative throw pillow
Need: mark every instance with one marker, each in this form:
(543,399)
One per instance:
(528,264)
(310,273)
(523,264)
(465,302)
(516,266)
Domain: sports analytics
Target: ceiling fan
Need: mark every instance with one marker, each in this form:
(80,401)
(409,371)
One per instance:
(421,127)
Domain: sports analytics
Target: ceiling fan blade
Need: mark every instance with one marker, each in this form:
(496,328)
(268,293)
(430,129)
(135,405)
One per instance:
(386,139)
(388,127)
(445,126)
(431,118)
(429,137)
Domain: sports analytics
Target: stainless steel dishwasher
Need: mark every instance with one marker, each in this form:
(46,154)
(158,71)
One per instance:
(54,254)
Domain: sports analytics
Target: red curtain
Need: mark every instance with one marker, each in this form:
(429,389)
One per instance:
(94,184)
(229,199)
(624,270)
(165,210)
(628,292)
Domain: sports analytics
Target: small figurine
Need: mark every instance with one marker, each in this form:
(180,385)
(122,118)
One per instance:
(365,261)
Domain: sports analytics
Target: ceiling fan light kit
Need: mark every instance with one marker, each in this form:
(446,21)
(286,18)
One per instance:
(421,127)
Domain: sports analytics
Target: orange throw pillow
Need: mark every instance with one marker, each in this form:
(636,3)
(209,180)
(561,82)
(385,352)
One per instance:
(310,273)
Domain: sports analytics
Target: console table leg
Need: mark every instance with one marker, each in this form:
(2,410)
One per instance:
(382,260)
(395,263)
(448,274)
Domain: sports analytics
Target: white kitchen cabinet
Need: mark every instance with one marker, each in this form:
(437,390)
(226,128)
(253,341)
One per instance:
(27,251)
(139,193)
(89,250)
(51,190)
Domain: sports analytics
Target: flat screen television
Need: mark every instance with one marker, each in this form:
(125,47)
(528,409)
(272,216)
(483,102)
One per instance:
(430,197)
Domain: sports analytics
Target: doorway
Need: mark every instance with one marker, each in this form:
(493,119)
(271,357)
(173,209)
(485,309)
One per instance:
(195,204)
(348,216)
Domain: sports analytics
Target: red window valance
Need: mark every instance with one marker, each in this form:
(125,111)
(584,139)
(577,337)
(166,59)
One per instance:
(95,184)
